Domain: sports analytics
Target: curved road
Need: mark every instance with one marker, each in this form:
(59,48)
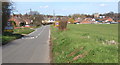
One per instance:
(33,48)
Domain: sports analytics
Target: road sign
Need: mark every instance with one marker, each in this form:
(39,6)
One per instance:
(9,27)
(56,24)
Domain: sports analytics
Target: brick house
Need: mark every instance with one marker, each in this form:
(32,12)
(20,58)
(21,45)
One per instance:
(18,19)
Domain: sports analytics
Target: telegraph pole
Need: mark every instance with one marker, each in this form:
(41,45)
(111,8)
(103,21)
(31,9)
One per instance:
(30,13)
(30,9)
(54,14)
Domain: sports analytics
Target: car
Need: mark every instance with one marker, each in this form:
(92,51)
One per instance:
(27,26)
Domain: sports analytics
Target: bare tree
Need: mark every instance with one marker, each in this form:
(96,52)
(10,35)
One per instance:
(37,20)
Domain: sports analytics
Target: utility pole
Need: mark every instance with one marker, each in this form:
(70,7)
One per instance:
(54,14)
(30,13)
(30,9)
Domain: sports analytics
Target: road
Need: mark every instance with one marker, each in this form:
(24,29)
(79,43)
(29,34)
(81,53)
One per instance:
(33,48)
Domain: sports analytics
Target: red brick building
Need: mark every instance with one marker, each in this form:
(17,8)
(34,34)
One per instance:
(18,19)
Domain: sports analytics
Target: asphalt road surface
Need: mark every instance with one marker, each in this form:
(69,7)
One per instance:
(33,48)
(0,55)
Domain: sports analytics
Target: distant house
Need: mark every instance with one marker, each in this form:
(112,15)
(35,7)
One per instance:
(105,20)
(49,20)
(16,19)
(96,15)
(118,21)
(26,20)
(78,20)
(109,20)
(19,19)
(101,16)
(88,21)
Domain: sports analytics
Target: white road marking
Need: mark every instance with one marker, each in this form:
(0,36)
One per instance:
(28,37)
(36,36)
(34,32)
(40,32)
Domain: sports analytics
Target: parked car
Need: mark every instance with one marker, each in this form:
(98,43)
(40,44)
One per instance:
(27,26)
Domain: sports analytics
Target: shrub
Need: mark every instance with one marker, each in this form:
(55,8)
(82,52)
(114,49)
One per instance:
(71,20)
(63,23)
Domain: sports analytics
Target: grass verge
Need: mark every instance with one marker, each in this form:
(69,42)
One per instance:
(85,43)
(23,31)
(18,33)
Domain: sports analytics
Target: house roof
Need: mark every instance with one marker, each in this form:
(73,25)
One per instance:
(19,19)
(109,19)
(118,21)
(87,21)
(75,21)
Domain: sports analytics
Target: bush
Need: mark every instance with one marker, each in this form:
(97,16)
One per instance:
(71,20)
(63,24)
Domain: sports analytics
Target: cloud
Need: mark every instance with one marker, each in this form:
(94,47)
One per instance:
(46,6)
(102,5)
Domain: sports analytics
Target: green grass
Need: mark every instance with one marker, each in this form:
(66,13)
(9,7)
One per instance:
(85,40)
(18,33)
(8,38)
(23,31)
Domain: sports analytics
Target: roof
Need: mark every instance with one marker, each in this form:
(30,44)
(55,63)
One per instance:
(87,21)
(109,19)
(118,21)
(75,21)
(19,19)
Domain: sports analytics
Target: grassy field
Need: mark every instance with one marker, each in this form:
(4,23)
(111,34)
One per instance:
(85,43)
(18,33)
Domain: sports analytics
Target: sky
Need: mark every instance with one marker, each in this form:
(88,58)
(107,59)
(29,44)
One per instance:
(66,8)
(64,0)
